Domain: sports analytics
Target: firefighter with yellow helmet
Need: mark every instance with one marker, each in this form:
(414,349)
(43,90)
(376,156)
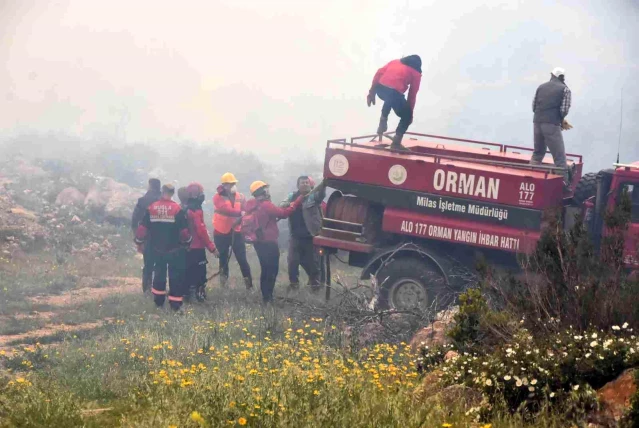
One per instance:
(229,207)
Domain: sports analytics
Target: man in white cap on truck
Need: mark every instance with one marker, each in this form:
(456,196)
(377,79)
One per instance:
(550,107)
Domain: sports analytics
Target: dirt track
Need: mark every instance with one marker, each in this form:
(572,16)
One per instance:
(60,303)
(81,295)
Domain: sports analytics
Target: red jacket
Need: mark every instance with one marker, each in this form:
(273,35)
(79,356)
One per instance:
(399,76)
(201,238)
(164,226)
(226,211)
(267,215)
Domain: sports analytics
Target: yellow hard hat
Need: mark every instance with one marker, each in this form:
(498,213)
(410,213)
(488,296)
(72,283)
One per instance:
(229,178)
(257,185)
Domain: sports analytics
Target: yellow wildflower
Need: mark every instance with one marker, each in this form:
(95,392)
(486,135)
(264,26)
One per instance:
(241,421)
(196,417)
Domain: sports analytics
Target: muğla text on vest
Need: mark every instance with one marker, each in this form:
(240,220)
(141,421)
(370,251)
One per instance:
(466,184)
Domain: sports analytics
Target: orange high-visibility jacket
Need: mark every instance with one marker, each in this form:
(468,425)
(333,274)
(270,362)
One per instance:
(227,212)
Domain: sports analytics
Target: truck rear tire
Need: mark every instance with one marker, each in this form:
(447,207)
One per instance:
(410,283)
(586,188)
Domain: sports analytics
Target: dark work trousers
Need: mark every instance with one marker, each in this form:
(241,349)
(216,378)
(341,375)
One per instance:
(195,269)
(147,269)
(301,251)
(395,101)
(223,243)
(269,255)
(173,263)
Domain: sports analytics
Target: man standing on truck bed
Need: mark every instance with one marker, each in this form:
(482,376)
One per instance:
(390,83)
(550,106)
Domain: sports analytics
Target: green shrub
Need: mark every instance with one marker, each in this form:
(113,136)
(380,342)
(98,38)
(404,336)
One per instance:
(477,326)
(567,279)
(472,307)
(527,372)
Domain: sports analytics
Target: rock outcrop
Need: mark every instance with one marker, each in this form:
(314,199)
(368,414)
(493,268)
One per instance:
(615,397)
(435,333)
(115,200)
(70,197)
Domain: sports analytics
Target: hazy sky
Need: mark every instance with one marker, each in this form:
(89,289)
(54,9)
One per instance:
(281,77)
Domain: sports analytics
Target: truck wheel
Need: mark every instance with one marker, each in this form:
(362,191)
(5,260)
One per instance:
(586,188)
(411,283)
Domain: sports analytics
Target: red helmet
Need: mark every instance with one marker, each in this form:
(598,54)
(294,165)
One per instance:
(194,190)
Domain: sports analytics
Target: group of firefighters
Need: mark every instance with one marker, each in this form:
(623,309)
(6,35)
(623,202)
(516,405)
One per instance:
(173,238)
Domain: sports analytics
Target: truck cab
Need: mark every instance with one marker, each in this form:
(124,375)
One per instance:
(611,186)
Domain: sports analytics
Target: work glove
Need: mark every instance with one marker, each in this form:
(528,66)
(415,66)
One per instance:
(370,99)
(565,126)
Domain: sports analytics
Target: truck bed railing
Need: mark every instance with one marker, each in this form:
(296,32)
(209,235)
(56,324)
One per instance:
(502,148)
(547,169)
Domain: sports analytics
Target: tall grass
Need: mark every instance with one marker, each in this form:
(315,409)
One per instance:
(232,363)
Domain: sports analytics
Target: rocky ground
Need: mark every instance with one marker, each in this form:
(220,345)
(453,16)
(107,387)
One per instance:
(44,211)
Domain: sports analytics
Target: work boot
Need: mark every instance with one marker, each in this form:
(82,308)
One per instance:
(188,297)
(224,280)
(248,281)
(293,287)
(200,294)
(383,126)
(397,143)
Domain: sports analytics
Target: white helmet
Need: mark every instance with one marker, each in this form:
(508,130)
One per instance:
(558,71)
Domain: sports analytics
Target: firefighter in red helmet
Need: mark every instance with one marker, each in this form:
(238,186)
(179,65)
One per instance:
(196,256)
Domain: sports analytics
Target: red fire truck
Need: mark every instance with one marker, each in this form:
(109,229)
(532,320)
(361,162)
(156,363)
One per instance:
(408,218)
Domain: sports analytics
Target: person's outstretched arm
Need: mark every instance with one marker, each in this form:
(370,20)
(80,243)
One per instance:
(275,211)
(414,88)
